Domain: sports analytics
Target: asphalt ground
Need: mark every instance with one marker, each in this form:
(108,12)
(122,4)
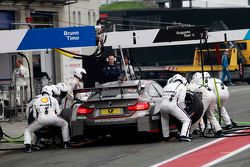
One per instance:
(130,151)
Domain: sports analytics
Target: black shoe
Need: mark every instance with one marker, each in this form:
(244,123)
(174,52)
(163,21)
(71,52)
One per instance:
(165,139)
(27,148)
(67,145)
(228,127)
(209,131)
(190,136)
(35,147)
(185,138)
(196,132)
(219,134)
(234,124)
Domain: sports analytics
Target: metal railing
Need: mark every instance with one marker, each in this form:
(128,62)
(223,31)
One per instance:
(13,102)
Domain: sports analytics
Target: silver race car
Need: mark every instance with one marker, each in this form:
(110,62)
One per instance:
(123,107)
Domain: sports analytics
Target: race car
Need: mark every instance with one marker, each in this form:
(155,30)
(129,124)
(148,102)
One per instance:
(124,107)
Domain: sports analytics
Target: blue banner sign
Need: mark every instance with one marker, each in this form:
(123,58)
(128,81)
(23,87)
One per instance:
(46,38)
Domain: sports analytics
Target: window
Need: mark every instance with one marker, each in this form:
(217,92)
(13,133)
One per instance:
(74,18)
(153,91)
(158,88)
(114,92)
(79,18)
(89,18)
(6,18)
(242,45)
(94,17)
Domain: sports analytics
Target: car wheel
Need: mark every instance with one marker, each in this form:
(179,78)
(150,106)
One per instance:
(194,106)
(66,114)
(54,132)
(1,133)
(190,76)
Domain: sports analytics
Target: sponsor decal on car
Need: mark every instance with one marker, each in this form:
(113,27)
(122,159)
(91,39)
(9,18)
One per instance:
(111,120)
(155,117)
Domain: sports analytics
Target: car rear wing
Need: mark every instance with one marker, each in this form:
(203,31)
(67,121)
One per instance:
(101,88)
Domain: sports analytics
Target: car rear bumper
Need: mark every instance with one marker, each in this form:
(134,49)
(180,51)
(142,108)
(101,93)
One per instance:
(101,127)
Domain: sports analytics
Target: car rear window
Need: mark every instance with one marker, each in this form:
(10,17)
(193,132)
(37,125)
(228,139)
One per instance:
(114,92)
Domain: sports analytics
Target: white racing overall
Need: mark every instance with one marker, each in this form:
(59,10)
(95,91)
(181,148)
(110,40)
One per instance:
(224,97)
(29,106)
(174,103)
(20,79)
(73,84)
(46,110)
(209,102)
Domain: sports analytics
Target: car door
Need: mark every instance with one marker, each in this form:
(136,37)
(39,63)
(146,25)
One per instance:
(155,93)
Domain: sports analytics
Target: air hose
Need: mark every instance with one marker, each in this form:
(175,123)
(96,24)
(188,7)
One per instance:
(14,140)
(246,123)
(97,53)
(215,85)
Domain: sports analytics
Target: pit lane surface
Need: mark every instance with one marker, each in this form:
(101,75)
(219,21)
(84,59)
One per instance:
(132,151)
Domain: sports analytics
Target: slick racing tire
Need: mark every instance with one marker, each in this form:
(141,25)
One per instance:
(66,114)
(53,131)
(190,76)
(194,108)
(1,133)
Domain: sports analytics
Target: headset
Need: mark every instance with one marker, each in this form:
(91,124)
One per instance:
(107,59)
(126,57)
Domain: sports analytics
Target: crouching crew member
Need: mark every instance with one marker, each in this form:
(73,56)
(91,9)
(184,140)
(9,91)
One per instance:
(208,99)
(45,111)
(223,92)
(174,104)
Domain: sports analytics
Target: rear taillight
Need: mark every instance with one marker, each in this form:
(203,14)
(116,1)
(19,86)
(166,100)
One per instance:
(139,106)
(84,110)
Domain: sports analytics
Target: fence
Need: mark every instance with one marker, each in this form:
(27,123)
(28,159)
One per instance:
(13,102)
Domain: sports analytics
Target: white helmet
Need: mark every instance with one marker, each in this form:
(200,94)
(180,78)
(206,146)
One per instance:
(184,80)
(62,87)
(55,90)
(178,77)
(48,90)
(197,78)
(170,80)
(80,73)
(207,75)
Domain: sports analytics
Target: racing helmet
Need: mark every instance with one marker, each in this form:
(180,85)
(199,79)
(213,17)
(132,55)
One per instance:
(197,78)
(184,80)
(178,77)
(170,80)
(81,74)
(47,90)
(63,89)
(55,90)
(207,75)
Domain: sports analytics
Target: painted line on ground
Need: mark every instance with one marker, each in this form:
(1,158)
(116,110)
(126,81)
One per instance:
(227,156)
(212,152)
(188,152)
(238,90)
